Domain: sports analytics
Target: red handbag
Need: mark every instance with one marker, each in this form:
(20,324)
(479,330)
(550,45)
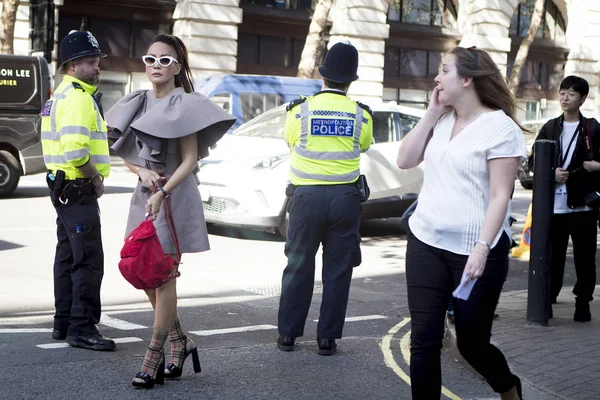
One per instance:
(143,262)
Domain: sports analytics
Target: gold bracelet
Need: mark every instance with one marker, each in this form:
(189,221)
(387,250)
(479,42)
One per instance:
(137,170)
(480,252)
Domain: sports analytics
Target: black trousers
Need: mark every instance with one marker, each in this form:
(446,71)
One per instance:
(78,266)
(431,275)
(329,215)
(581,227)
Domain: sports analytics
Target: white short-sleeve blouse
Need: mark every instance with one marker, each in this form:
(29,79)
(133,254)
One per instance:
(456,189)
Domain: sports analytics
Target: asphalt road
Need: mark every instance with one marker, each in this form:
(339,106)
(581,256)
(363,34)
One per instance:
(228,305)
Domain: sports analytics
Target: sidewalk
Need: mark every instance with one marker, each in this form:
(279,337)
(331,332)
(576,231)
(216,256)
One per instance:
(560,361)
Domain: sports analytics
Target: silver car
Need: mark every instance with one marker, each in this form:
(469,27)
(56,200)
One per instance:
(243,181)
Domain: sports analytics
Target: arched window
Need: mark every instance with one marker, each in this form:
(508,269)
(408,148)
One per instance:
(424,12)
(552,26)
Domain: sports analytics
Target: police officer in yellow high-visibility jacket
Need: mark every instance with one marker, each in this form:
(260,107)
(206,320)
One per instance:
(75,148)
(326,133)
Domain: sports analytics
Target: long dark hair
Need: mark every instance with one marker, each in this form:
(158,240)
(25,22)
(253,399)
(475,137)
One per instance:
(489,83)
(184,79)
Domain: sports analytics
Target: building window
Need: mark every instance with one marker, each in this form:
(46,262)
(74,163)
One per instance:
(551,27)
(281,4)
(116,37)
(539,75)
(400,62)
(414,98)
(424,12)
(269,50)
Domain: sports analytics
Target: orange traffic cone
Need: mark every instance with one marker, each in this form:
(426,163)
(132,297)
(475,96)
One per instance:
(522,251)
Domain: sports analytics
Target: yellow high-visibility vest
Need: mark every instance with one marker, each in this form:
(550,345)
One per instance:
(326,133)
(73,131)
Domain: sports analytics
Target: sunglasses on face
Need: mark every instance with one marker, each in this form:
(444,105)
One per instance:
(164,61)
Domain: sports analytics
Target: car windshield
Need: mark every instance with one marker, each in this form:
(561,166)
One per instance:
(270,124)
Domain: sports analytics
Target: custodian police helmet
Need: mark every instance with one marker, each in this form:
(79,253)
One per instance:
(340,64)
(78,44)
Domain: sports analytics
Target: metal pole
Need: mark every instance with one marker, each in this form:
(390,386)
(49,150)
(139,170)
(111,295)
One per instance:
(538,297)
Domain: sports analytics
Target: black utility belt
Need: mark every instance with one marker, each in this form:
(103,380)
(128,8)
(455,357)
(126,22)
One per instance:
(63,191)
(361,184)
(78,181)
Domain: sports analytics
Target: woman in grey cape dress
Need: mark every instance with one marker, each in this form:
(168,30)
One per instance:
(162,133)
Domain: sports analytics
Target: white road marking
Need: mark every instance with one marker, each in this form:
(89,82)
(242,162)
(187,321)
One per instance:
(211,332)
(363,318)
(25,330)
(62,345)
(119,323)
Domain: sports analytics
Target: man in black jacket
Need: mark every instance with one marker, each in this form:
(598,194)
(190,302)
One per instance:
(577,176)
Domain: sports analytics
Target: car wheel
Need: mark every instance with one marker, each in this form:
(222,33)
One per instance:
(283,226)
(10,173)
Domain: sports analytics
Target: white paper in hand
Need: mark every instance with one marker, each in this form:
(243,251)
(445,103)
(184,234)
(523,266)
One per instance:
(463,291)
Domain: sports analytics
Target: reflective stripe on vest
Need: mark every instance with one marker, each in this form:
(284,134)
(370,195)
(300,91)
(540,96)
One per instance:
(349,177)
(55,159)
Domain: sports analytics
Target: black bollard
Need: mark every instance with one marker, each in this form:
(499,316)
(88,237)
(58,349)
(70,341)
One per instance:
(538,291)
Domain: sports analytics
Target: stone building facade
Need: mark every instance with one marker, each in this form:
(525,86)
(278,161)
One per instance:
(401,42)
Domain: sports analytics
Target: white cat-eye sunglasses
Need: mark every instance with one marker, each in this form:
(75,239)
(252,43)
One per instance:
(164,61)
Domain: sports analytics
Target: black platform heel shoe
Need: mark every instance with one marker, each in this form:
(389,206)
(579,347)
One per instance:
(173,371)
(144,380)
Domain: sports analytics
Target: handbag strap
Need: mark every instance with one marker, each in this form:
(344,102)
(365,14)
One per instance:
(170,221)
(171,225)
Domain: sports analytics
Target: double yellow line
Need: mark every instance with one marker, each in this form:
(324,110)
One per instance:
(388,356)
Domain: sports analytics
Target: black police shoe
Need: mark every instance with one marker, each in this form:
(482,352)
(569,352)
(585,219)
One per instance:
(57,334)
(93,342)
(286,343)
(327,347)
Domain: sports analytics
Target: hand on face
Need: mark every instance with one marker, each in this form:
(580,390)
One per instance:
(435,106)
(447,79)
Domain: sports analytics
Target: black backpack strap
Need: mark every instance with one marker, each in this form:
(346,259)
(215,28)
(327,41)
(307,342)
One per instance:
(587,139)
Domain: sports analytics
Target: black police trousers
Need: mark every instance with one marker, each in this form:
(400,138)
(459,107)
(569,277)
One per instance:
(78,266)
(431,276)
(329,215)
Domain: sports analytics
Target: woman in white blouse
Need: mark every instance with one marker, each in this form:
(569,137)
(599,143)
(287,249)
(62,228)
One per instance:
(471,144)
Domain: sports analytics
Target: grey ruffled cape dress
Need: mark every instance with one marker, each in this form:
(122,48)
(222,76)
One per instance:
(147,132)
